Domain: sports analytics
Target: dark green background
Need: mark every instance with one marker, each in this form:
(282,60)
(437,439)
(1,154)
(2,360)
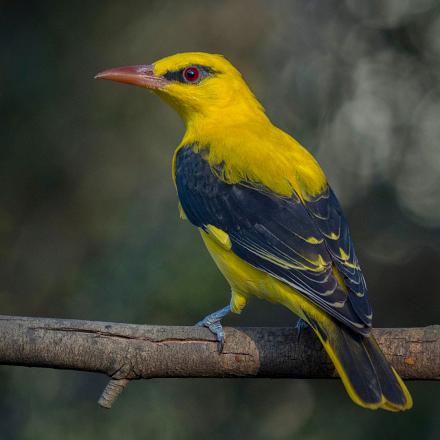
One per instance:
(89,226)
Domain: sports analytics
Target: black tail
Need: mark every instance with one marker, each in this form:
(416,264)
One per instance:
(367,376)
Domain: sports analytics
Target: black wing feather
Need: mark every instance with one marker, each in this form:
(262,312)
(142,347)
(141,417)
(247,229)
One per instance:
(328,216)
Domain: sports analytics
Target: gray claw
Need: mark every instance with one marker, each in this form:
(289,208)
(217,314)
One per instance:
(215,328)
(213,322)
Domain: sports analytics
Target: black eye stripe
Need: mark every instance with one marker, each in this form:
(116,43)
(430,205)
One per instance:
(177,75)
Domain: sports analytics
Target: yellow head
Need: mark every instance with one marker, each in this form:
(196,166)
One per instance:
(200,86)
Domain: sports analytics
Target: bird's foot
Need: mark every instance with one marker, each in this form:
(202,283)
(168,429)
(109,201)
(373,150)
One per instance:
(300,326)
(213,323)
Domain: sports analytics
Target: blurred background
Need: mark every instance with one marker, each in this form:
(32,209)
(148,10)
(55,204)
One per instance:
(89,227)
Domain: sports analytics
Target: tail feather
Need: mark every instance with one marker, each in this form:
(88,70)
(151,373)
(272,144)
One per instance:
(367,376)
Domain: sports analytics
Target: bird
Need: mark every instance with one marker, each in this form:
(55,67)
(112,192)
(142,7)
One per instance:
(268,217)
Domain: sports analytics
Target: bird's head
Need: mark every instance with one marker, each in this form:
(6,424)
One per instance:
(198,85)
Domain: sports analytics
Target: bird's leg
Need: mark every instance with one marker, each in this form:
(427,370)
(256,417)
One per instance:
(300,326)
(213,322)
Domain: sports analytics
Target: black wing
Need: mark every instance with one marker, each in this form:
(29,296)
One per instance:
(280,236)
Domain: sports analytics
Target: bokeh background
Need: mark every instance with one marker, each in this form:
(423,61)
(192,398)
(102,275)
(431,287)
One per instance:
(89,226)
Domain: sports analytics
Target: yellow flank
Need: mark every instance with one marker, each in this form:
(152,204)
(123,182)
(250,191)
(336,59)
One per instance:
(254,149)
(246,281)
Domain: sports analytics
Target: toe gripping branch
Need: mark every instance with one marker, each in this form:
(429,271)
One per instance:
(213,323)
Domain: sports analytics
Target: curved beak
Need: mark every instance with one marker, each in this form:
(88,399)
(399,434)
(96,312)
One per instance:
(141,75)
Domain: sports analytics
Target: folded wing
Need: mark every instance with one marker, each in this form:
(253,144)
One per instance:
(300,244)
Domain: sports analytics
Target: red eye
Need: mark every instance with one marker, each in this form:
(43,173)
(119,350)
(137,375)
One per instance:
(191,74)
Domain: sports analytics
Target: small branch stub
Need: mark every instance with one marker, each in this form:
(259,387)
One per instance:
(111,392)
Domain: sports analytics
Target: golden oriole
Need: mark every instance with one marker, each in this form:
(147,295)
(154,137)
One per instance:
(268,217)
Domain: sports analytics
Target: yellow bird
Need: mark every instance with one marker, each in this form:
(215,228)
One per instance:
(268,217)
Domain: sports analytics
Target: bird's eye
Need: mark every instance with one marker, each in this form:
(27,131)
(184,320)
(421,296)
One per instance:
(191,74)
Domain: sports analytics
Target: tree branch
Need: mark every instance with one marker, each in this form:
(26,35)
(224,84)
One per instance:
(126,352)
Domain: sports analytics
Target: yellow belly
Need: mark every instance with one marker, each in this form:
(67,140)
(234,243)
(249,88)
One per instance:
(246,281)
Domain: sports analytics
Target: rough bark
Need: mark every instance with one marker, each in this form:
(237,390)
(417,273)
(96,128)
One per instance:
(126,352)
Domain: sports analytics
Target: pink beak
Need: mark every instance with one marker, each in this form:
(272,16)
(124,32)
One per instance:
(141,75)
